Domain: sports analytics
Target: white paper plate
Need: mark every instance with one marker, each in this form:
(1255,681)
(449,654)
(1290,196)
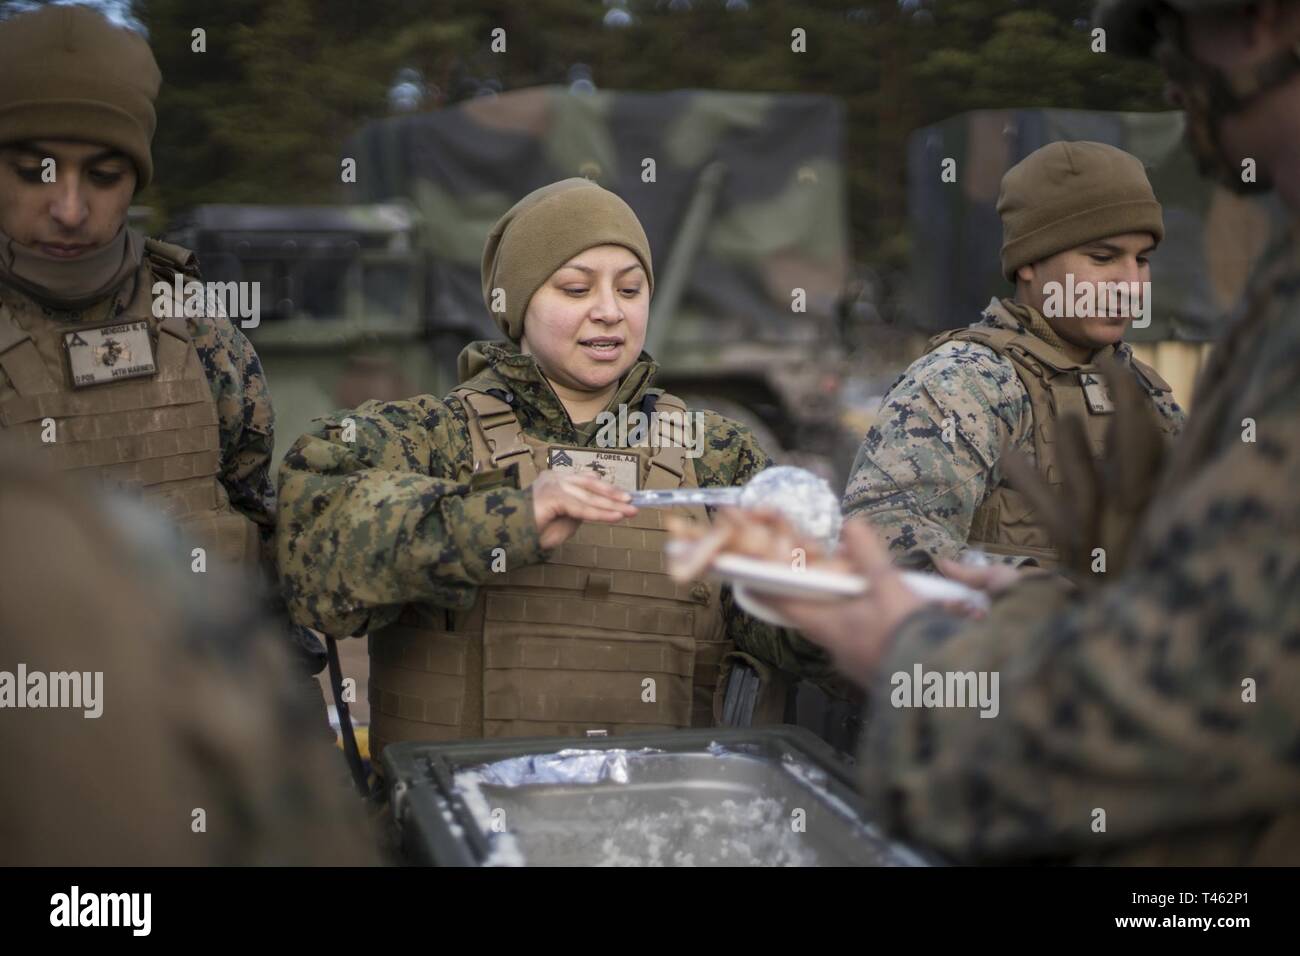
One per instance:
(773,577)
(752,579)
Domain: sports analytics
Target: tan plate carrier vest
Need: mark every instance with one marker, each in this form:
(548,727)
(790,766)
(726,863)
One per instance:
(565,646)
(157,436)
(1005,523)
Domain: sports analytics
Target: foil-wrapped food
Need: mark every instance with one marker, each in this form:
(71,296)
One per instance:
(806,500)
(786,527)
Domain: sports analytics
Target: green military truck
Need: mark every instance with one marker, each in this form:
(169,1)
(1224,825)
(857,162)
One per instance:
(343,317)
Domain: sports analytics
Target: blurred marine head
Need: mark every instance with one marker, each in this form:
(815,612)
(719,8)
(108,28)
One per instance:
(1233,65)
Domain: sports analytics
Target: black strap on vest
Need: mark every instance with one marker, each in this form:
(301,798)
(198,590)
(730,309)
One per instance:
(350,749)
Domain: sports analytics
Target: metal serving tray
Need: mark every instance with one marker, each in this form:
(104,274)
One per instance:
(771,796)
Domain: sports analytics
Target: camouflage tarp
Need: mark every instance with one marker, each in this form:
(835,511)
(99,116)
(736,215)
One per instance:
(1212,238)
(779,221)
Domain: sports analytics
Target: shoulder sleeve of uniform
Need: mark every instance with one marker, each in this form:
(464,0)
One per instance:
(377,512)
(728,452)
(1160,391)
(1150,377)
(246,419)
(977,389)
(421,434)
(927,462)
(1170,410)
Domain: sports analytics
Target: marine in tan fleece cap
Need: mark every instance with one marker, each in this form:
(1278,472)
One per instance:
(932,476)
(543,231)
(66,72)
(1067,194)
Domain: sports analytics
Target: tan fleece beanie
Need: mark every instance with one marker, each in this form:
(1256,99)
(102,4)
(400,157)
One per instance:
(68,73)
(1067,194)
(546,229)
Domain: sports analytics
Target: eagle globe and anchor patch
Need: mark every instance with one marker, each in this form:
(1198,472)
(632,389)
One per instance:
(109,353)
(619,468)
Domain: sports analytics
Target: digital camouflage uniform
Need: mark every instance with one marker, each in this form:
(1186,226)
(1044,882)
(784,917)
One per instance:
(921,491)
(1130,699)
(370,526)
